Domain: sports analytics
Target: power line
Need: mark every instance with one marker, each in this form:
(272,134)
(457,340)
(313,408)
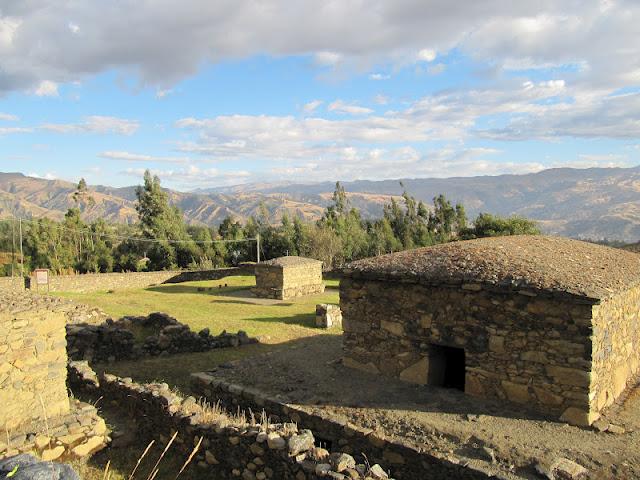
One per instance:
(139,239)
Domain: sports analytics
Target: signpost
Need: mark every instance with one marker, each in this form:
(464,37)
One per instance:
(42,278)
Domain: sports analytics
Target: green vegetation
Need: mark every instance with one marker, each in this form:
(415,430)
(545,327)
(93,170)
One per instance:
(161,239)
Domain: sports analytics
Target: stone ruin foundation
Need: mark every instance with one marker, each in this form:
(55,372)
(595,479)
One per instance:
(288,277)
(546,322)
(36,414)
(163,335)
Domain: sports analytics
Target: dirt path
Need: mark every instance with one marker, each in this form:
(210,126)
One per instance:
(308,373)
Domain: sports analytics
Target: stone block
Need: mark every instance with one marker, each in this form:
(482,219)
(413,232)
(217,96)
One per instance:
(416,373)
(365,367)
(569,376)
(395,328)
(516,392)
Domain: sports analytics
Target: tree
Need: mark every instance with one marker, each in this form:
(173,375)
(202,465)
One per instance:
(162,223)
(487,225)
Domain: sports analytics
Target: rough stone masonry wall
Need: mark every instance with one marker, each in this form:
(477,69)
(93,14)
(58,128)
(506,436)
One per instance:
(404,460)
(92,282)
(282,283)
(33,360)
(11,284)
(616,356)
(521,347)
(231,447)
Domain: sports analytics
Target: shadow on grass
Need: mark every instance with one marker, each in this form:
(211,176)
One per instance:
(302,319)
(216,291)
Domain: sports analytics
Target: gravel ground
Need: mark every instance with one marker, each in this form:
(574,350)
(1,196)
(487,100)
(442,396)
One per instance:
(309,374)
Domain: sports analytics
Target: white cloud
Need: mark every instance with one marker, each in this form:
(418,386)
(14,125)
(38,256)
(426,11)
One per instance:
(8,117)
(45,176)
(312,106)
(328,59)
(194,176)
(38,43)
(96,124)
(161,93)
(341,107)
(426,55)
(10,130)
(137,157)
(379,76)
(46,88)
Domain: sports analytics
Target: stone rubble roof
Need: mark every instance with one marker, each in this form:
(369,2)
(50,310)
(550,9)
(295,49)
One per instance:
(554,265)
(291,261)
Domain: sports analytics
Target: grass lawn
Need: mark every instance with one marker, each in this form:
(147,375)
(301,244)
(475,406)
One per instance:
(205,304)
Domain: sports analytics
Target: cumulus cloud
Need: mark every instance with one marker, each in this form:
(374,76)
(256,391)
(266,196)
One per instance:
(194,176)
(379,76)
(312,106)
(8,117)
(96,124)
(138,157)
(46,88)
(38,42)
(341,107)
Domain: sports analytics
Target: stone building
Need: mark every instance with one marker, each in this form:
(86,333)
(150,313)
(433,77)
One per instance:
(548,322)
(33,360)
(288,277)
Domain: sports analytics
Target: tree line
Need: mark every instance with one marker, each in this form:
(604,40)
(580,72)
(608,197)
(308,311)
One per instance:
(161,239)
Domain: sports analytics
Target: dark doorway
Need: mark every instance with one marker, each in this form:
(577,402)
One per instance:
(446,367)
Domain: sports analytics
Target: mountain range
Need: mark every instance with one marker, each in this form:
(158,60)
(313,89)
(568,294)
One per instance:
(594,203)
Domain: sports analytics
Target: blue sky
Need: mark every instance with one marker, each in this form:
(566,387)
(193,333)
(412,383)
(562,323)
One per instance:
(220,93)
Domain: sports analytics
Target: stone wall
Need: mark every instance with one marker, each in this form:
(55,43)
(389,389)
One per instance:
(231,446)
(402,458)
(33,360)
(283,282)
(616,356)
(116,340)
(92,282)
(521,347)
(11,284)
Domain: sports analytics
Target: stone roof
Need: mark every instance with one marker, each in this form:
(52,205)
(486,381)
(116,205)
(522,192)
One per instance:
(553,265)
(292,261)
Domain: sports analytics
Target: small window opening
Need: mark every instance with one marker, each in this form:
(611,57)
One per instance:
(446,367)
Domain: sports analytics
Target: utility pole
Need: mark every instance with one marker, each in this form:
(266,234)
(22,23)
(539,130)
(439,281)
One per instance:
(13,246)
(258,246)
(21,252)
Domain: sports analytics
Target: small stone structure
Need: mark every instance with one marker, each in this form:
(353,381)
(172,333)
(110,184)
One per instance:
(328,315)
(116,340)
(288,277)
(36,414)
(548,322)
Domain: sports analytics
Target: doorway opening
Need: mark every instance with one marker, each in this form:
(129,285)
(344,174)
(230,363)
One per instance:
(446,367)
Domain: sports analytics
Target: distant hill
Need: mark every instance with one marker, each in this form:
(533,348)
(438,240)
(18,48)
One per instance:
(595,203)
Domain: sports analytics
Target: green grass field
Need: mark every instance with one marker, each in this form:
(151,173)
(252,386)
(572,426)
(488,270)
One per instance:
(206,305)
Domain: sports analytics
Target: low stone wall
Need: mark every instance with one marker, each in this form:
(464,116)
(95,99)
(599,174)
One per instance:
(79,433)
(521,347)
(33,360)
(11,284)
(328,315)
(112,341)
(93,282)
(404,459)
(230,446)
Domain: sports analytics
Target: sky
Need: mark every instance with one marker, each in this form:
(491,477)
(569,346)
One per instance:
(208,94)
